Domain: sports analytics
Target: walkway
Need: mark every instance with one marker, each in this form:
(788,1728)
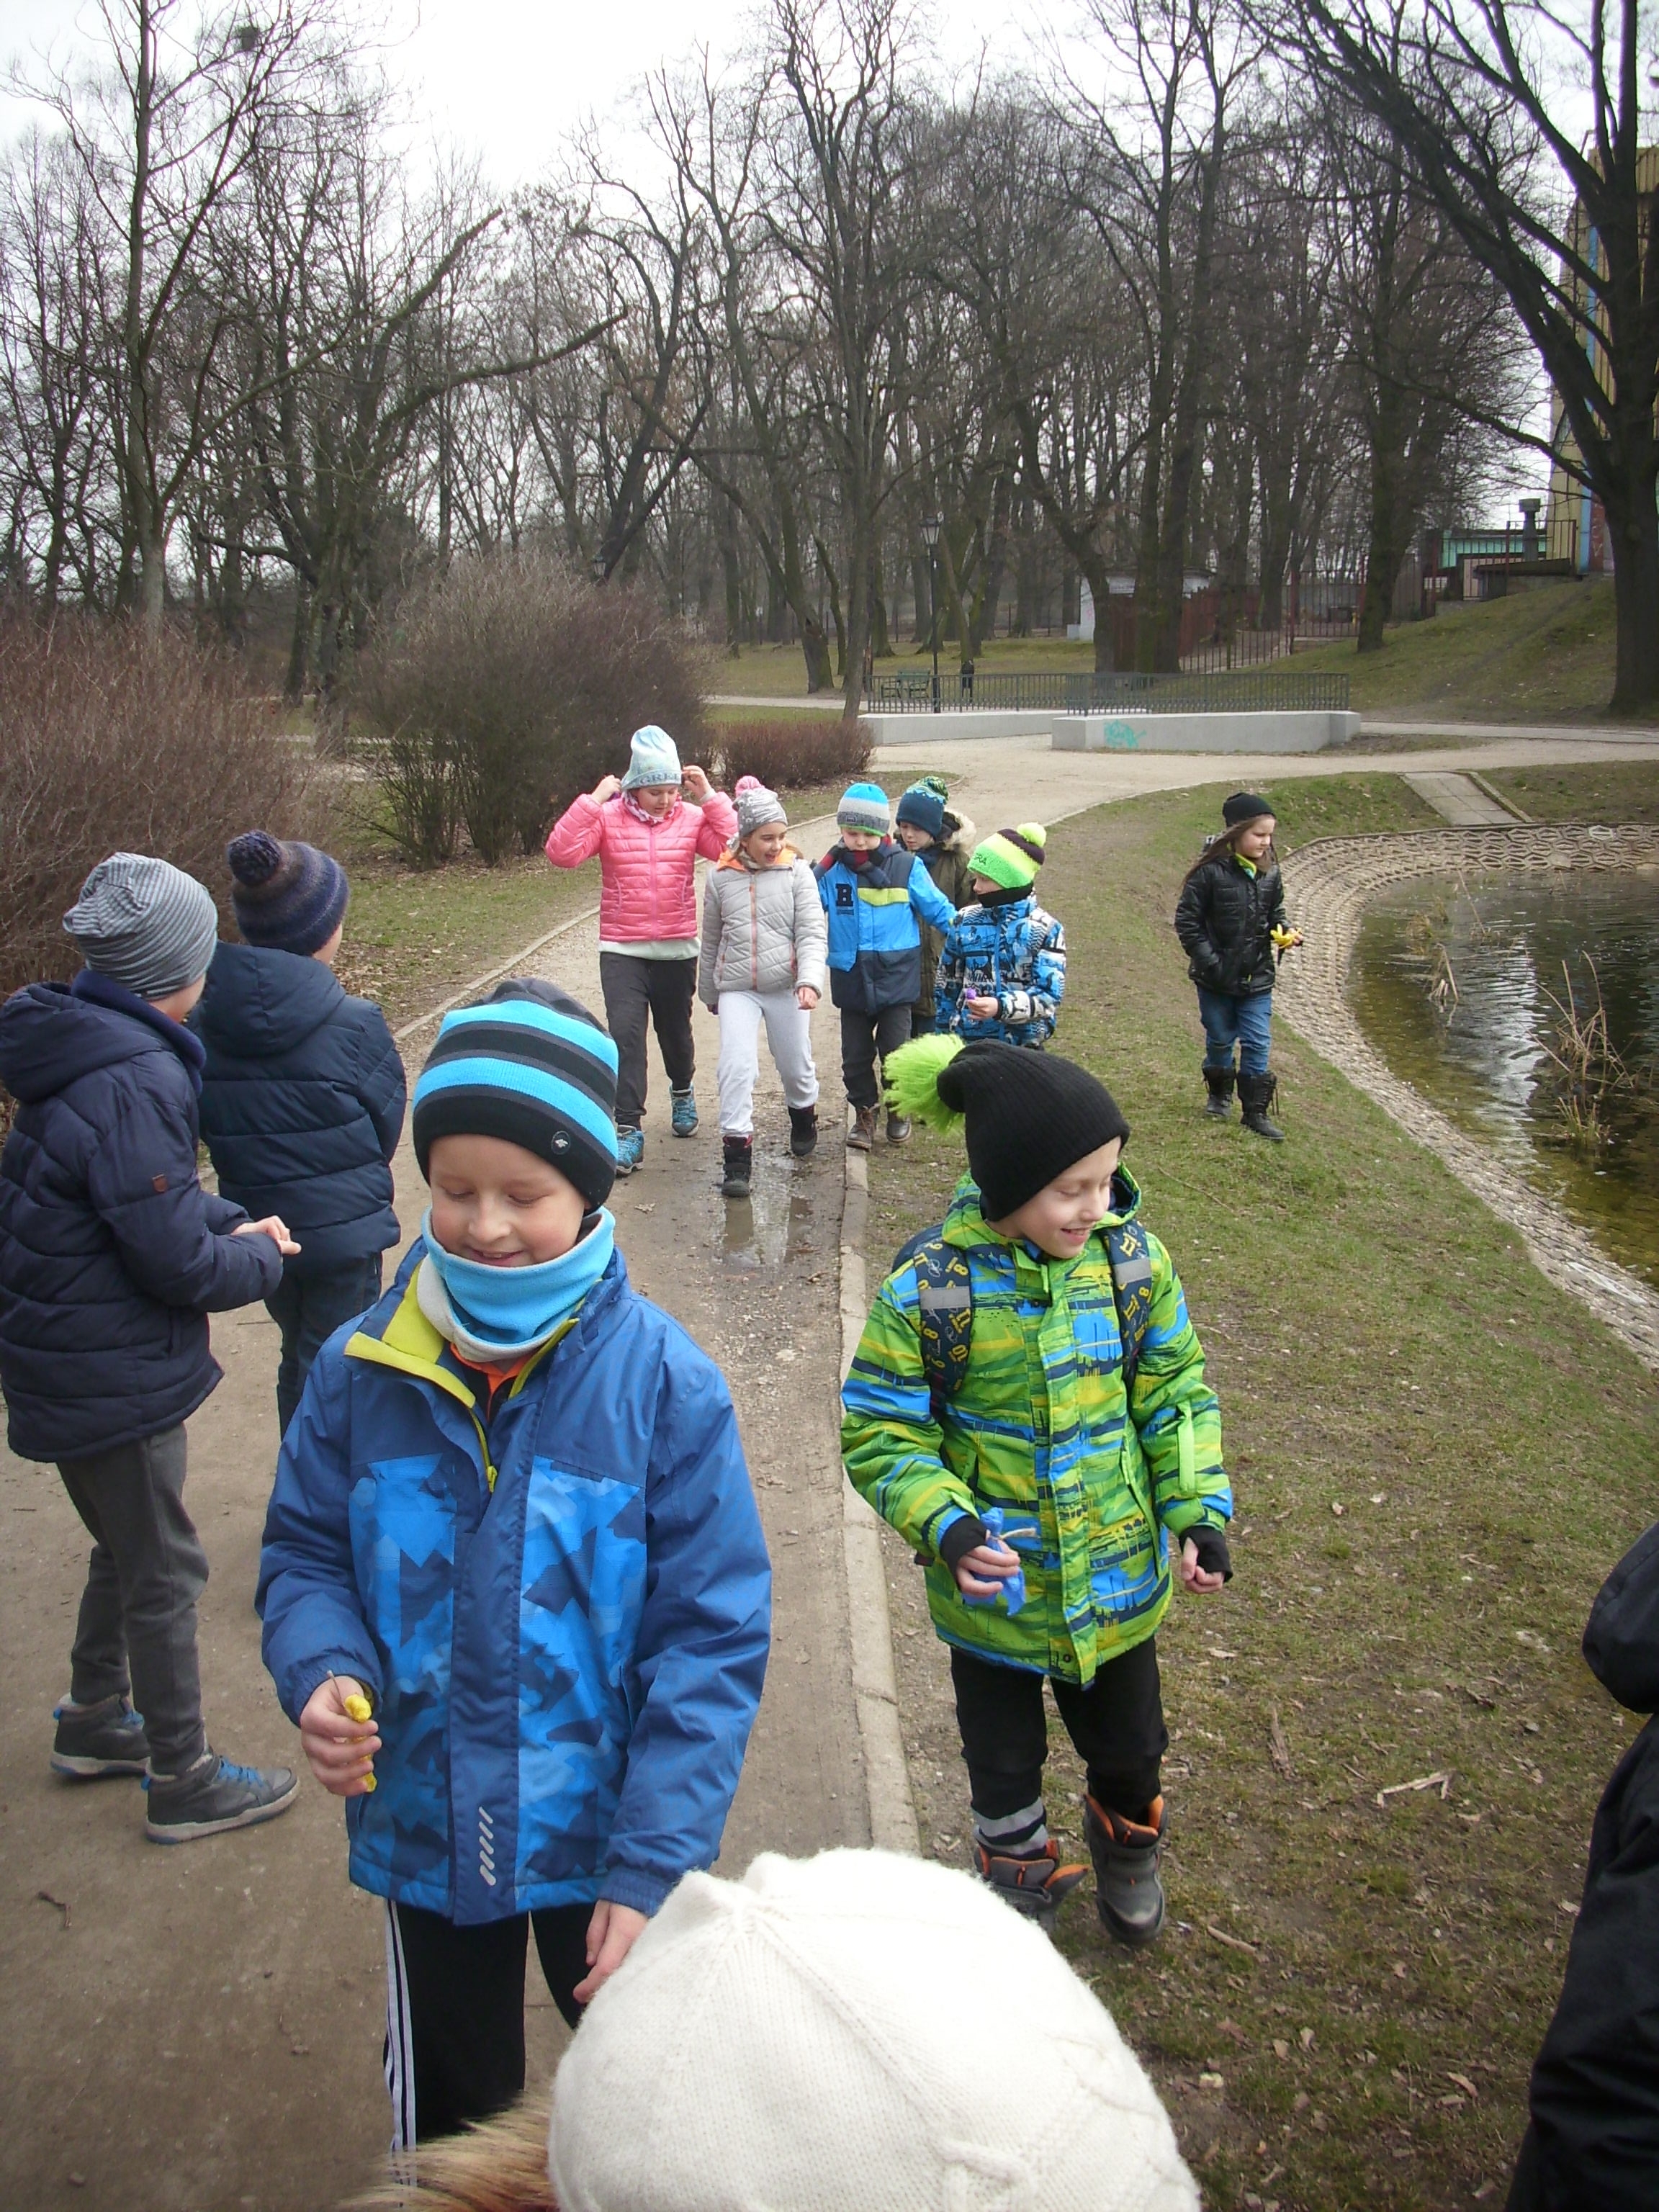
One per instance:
(1462,801)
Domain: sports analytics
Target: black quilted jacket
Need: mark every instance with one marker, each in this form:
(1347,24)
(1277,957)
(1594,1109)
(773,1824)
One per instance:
(1223,921)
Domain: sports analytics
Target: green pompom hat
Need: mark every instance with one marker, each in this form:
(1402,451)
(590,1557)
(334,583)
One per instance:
(1012,857)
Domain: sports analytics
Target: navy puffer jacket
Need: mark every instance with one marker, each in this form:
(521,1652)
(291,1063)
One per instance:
(302,1102)
(112,1255)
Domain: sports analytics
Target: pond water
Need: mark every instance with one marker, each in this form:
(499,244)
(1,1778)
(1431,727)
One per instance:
(1468,988)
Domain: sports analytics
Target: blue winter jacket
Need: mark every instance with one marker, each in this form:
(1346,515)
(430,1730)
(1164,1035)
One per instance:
(562,1607)
(1013,952)
(875,941)
(302,1102)
(111,1255)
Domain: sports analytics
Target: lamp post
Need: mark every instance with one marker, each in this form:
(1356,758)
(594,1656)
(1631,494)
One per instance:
(931,526)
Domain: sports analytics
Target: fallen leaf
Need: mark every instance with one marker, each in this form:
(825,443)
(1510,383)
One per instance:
(1464,2083)
(1304,2037)
(1278,1749)
(1281,2048)
(1231,1942)
(1338,1508)
(1567,1906)
(1211,2081)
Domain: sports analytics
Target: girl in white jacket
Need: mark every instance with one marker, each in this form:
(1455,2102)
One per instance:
(765,945)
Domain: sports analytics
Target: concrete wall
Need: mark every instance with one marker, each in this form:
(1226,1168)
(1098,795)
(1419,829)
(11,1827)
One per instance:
(1303,733)
(960,722)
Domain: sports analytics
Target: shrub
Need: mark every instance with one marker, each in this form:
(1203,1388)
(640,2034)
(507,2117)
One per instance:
(505,688)
(111,742)
(792,755)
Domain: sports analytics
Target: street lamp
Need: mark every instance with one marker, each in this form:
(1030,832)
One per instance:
(931,526)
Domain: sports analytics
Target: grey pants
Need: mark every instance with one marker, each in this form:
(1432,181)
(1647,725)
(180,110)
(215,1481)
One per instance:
(138,1609)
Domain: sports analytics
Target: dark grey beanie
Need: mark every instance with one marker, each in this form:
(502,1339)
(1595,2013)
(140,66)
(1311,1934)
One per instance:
(144,924)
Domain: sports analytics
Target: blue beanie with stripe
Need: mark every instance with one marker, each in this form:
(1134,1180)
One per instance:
(530,1065)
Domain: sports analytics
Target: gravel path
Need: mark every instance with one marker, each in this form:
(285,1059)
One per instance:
(1329,884)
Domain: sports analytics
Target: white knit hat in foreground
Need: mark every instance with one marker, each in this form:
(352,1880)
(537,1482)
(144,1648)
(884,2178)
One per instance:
(854,2032)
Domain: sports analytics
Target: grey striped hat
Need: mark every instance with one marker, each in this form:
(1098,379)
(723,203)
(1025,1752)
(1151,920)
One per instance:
(144,924)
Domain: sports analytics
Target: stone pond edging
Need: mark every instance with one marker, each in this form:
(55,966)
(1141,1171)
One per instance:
(1329,884)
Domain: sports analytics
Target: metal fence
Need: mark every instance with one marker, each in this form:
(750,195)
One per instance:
(1238,691)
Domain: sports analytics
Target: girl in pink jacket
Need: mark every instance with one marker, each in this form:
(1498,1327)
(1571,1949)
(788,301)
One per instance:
(648,839)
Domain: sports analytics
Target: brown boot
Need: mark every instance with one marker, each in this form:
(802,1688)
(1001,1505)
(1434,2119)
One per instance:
(1129,1894)
(863,1134)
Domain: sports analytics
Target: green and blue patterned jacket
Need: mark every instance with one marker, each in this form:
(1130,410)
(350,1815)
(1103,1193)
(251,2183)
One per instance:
(1089,1478)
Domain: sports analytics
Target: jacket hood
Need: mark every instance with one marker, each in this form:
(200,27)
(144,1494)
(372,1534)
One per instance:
(735,857)
(50,1039)
(260,1001)
(1621,1640)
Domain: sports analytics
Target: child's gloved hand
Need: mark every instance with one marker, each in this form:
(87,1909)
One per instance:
(339,1737)
(1205,1564)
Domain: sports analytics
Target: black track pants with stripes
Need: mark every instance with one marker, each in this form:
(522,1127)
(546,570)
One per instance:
(454,2040)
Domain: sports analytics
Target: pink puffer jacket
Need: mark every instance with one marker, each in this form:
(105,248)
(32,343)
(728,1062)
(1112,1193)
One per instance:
(647,870)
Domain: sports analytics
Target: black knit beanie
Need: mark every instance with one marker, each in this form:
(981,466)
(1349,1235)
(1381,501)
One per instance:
(1029,1117)
(1243,806)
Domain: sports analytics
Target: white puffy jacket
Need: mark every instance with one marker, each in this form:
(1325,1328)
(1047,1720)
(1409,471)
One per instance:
(764,929)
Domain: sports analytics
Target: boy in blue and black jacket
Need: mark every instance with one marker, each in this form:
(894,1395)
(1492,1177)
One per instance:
(1002,968)
(302,1095)
(514,1588)
(873,892)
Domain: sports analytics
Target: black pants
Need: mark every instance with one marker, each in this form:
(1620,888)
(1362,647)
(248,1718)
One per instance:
(136,1631)
(863,1036)
(454,2039)
(308,1309)
(664,990)
(1116,1726)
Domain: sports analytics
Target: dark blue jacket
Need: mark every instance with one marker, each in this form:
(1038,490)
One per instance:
(302,1102)
(875,936)
(111,1255)
(561,1603)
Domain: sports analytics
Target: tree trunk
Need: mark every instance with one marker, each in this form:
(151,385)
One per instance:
(1636,600)
(1387,548)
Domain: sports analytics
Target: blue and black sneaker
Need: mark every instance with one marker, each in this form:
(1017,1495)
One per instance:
(682,1117)
(106,1738)
(216,1795)
(631,1150)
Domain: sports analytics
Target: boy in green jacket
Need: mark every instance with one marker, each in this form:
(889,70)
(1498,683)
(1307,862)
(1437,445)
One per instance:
(988,1416)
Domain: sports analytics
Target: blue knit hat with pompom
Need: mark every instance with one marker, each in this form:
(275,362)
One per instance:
(288,895)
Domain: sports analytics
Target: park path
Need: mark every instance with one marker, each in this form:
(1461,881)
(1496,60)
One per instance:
(198,2030)
(1461,801)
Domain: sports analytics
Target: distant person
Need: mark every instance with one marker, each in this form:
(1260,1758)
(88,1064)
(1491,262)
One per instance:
(1028,1408)
(649,839)
(878,898)
(941,840)
(514,1589)
(111,1257)
(1231,922)
(1593,2141)
(795,2040)
(1002,965)
(763,951)
(302,1096)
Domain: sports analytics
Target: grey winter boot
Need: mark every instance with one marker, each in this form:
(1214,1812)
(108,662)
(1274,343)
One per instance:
(1129,1894)
(738,1155)
(1036,1886)
(1219,1083)
(1255,1095)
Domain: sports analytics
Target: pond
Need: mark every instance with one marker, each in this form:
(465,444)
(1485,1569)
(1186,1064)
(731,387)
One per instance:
(1526,1007)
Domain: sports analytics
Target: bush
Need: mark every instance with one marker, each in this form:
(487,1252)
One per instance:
(110,742)
(505,688)
(792,755)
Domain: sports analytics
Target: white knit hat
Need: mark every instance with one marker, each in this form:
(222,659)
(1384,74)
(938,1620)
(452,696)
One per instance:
(854,2032)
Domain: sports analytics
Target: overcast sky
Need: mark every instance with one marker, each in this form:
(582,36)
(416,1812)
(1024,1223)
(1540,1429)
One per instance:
(507,78)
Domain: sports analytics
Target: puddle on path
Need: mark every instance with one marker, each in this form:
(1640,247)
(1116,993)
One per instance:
(1483,1056)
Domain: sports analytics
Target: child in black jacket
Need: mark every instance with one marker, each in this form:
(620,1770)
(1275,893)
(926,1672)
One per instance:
(302,1097)
(1231,921)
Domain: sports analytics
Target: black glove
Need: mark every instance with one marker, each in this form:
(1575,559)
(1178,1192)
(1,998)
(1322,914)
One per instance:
(1212,1555)
(961,1537)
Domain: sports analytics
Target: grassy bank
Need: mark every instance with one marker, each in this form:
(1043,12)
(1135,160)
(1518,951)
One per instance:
(1600,791)
(1437,1459)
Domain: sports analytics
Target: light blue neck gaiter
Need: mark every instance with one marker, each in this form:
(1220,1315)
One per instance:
(496,1313)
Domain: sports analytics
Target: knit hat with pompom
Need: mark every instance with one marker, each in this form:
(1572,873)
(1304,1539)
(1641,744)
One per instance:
(1028,1116)
(1011,858)
(923,804)
(756,805)
(288,895)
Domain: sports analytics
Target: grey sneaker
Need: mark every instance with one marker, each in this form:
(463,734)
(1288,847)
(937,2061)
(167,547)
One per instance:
(107,1738)
(215,1795)
(1129,1894)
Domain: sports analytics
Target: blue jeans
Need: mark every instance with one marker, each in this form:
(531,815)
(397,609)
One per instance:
(308,1309)
(1244,1022)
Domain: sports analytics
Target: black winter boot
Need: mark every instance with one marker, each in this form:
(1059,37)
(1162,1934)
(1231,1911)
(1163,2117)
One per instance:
(803,1131)
(1219,1083)
(1128,1895)
(1255,1095)
(739,1155)
(1037,1886)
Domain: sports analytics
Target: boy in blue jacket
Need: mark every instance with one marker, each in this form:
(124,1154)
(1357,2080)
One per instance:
(514,1588)
(873,892)
(1002,967)
(111,1257)
(302,1096)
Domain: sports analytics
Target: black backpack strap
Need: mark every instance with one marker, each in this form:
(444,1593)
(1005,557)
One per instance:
(1131,1289)
(944,1299)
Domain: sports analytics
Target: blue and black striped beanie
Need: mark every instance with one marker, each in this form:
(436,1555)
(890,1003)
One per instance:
(530,1065)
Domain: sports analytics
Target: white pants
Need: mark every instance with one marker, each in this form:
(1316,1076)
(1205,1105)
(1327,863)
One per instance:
(789,1034)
